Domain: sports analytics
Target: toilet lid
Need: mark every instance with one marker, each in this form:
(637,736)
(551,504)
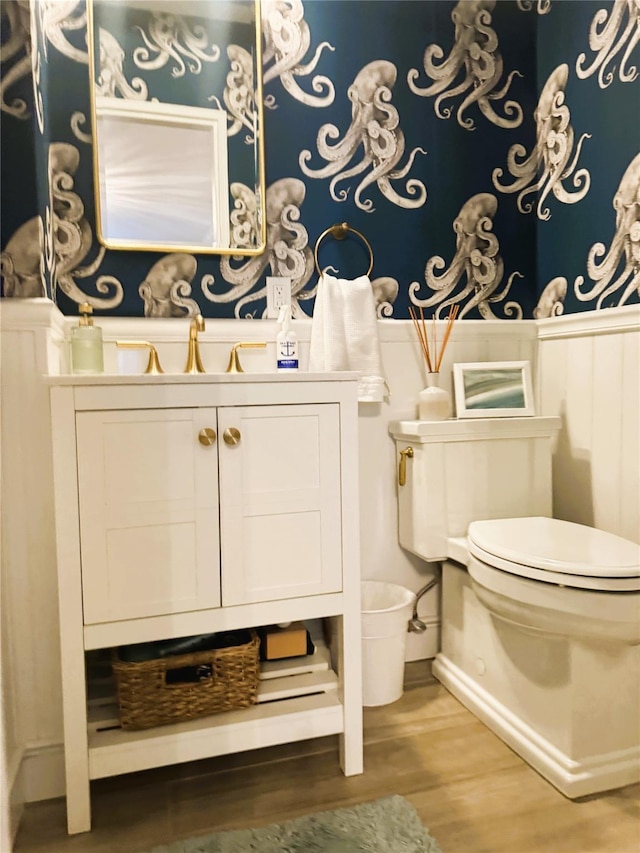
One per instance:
(560,547)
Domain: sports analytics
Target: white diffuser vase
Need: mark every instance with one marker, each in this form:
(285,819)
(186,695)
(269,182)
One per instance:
(434,402)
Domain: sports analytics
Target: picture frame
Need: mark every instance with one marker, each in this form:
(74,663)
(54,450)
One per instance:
(493,389)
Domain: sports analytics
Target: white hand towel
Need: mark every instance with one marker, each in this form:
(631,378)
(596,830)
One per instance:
(344,334)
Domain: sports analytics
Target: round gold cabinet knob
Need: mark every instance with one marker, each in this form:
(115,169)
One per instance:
(231,436)
(207,436)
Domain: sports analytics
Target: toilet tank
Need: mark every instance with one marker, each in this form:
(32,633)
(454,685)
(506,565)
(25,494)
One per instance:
(465,470)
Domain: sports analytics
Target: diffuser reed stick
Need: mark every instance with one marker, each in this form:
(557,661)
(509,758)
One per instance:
(422,338)
(432,357)
(453,313)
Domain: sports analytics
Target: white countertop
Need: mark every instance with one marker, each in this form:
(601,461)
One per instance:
(197,378)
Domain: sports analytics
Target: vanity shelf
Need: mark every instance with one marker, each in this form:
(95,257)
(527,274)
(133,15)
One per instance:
(297,700)
(202,505)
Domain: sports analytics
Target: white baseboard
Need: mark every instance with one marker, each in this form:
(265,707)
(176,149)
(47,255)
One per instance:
(13,799)
(572,778)
(42,773)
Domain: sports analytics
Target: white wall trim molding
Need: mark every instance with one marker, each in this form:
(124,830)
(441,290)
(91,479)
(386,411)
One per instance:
(170,329)
(402,331)
(603,322)
(30,314)
(13,796)
(42,772)
(13,768)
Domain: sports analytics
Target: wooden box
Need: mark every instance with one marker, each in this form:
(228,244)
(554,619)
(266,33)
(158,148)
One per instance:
(284,642)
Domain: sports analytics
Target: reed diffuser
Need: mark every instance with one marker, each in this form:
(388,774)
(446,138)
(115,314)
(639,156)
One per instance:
(434,402)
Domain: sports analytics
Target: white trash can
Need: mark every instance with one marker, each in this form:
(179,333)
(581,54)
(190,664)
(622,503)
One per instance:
(386,610)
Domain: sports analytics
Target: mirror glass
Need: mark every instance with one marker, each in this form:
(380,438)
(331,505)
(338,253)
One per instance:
(176,97)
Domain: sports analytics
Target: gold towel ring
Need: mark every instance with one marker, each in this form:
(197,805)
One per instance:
(339,232)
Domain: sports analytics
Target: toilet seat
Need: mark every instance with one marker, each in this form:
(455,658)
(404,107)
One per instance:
(557,552)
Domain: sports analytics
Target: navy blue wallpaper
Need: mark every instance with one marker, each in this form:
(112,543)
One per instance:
(591,248)
(489,151)
(20,226)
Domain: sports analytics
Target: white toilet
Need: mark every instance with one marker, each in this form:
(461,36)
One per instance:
(540,617)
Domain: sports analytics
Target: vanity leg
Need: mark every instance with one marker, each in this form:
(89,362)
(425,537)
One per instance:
(349,654)
(76,748)
(74,712)
(74,709)
(348,627)
(74,690)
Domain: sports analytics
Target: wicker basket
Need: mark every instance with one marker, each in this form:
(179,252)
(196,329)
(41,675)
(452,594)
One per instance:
(152,693)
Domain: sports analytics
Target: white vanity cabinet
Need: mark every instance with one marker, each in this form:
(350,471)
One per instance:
(153,482)
(148,499)
(280,502)
(196,504)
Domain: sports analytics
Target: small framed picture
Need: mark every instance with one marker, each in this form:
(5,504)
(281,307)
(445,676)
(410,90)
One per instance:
(493,389)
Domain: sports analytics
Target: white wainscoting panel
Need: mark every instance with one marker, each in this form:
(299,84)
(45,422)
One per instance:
(589,374)
(32,331)
(35,342)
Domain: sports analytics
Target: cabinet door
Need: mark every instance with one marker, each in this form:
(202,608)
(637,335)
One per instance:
(280,502)
(149,518)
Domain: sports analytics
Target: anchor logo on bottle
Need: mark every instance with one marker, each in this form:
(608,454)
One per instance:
(288,348)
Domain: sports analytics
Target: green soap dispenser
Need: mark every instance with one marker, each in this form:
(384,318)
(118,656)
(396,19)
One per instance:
(86,344)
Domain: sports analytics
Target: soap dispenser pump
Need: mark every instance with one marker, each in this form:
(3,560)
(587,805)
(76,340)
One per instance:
(86,343)
(286,342)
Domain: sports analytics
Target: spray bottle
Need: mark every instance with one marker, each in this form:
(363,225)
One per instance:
(286,342)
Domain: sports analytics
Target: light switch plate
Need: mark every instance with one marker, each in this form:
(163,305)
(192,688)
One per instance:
(278,294)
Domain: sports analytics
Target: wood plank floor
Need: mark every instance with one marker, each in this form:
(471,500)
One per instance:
(472,792)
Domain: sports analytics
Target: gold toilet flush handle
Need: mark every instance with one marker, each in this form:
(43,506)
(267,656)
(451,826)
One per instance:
(207,436)
(402,470)
(231,436)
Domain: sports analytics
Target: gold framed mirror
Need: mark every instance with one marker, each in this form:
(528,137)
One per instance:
(177,121)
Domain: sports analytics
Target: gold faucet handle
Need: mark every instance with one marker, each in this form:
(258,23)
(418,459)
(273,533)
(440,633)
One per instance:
(234,365)
(153,365)
(196,325)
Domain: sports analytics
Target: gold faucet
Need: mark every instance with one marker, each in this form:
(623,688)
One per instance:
(194,362)
(234,359)
(153,365)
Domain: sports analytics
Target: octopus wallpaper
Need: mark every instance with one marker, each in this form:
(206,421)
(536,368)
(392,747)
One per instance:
(489,150)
